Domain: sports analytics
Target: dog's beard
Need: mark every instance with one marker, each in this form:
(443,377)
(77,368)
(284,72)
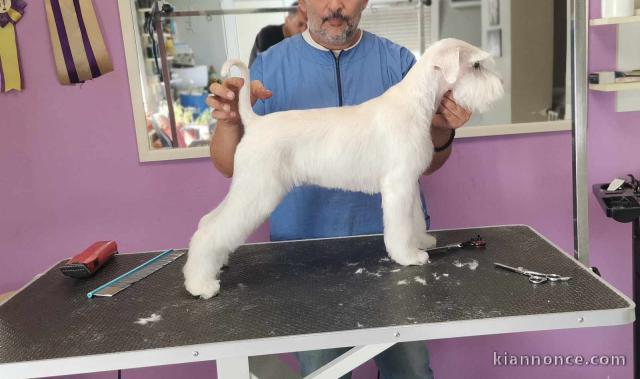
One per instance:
(478,98)
(340,39)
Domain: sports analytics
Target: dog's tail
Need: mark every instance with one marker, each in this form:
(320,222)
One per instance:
(244,100)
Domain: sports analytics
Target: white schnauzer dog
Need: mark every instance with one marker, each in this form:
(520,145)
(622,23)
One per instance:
(380,146)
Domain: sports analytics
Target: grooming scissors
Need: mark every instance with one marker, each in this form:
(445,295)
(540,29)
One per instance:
(534,277)
(476,242)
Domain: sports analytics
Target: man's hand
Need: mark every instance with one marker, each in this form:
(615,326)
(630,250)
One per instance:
(449,114)
(224,99)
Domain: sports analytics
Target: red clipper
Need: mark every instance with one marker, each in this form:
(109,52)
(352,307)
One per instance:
(90,260)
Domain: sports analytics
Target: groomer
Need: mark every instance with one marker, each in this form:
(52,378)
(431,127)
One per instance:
(333,63)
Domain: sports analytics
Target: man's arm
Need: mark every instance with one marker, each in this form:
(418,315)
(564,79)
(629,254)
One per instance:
(223,145)
(439,136)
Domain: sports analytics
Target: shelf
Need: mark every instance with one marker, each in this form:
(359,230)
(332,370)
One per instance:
(615,87)
(614,20)
(169,58)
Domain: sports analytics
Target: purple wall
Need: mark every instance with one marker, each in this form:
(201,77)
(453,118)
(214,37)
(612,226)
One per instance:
(70,175)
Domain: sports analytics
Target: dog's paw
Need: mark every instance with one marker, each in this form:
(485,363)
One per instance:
(205,288)
(426,241)
(198,281)
(415,258)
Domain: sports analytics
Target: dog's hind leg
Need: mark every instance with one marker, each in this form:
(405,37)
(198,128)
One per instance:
(249,202)
(421,238)
(399,222)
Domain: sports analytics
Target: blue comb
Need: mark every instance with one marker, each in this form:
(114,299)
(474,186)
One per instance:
(132,276)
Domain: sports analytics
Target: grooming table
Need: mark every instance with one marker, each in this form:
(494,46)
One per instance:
(301,295)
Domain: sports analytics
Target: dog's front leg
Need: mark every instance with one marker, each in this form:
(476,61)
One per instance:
(422,239)
(399,222)
(203,263)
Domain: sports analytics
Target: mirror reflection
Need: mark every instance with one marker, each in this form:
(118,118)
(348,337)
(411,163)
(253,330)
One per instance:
(527,38)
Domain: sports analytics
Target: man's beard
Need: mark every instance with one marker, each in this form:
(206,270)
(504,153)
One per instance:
(342,38)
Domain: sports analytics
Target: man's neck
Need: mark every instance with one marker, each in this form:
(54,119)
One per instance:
(352,42)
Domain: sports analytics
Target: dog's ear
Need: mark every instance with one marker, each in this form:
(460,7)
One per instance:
(449,64)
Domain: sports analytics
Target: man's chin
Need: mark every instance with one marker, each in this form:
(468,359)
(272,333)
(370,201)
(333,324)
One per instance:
(335,36)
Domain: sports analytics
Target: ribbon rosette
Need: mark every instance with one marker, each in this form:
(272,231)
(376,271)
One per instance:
(11,12)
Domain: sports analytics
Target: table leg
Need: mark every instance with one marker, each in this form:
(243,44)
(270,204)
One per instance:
(348,361)
(270,366)
(635,263)
(233,368)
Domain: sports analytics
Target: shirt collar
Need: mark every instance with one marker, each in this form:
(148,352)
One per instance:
(307,37)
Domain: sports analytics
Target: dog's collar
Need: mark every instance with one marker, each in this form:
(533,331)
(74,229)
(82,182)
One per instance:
(308,39)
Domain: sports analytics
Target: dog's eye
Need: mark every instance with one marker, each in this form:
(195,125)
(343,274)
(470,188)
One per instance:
(476,65)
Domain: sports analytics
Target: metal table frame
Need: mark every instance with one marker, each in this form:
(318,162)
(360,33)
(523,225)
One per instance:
(233,357)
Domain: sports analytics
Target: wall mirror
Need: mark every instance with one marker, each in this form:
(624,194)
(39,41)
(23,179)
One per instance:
(188,42)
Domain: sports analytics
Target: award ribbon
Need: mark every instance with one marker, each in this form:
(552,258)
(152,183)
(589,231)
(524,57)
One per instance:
(11,12)
(78,48)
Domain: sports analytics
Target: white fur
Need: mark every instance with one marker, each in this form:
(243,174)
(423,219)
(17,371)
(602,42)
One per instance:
(383,145)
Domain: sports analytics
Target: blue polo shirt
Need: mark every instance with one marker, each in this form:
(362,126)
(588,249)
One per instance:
(302,76)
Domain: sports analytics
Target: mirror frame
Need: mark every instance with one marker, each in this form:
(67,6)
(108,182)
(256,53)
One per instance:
(146,154)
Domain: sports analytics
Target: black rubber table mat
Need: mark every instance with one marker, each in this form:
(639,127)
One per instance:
(281,289)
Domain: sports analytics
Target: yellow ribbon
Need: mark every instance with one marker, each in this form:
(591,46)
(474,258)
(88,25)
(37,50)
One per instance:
(14,15)
(9,57)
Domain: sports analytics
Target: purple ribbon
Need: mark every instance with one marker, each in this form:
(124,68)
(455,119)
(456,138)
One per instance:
(91,58)
(64,42)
